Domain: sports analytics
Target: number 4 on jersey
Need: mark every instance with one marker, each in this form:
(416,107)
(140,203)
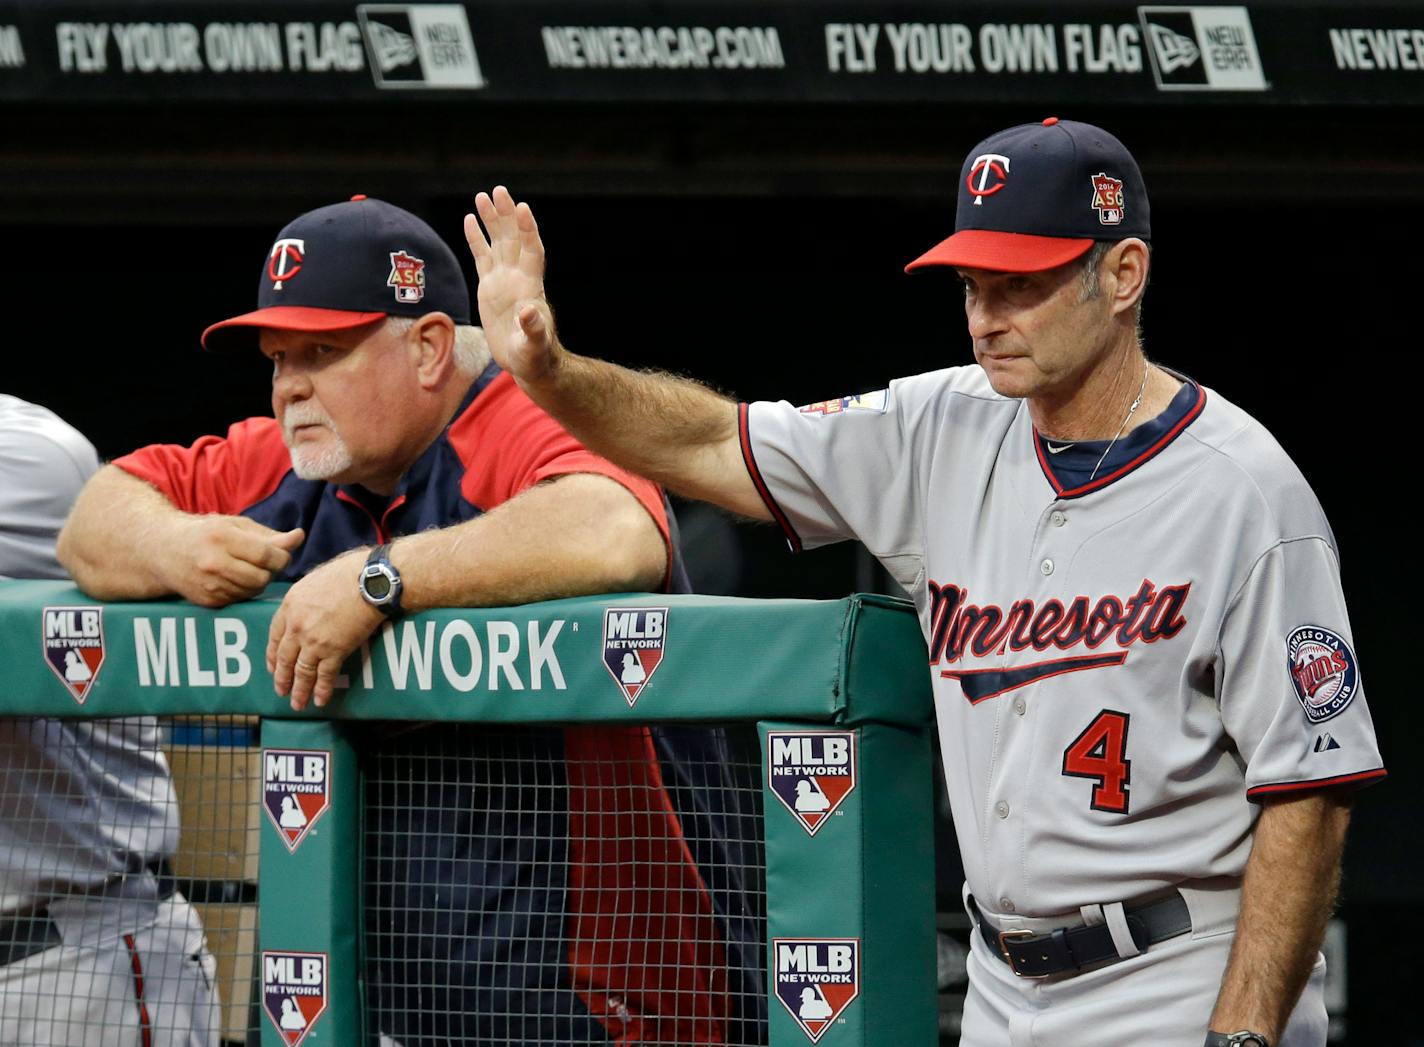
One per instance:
(1100,753)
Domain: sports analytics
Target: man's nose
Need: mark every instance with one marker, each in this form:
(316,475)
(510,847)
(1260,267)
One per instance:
(290,385)
(985,316)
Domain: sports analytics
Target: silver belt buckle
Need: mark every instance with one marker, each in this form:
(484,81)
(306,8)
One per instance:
(1016,934)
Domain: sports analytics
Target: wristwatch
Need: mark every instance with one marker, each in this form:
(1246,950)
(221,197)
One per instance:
(1244,1038)
(380,582)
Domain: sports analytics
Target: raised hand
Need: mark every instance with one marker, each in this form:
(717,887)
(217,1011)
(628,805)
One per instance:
(518,323)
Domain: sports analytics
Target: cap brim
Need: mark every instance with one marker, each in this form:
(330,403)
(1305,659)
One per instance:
(240,332)
(1002,252)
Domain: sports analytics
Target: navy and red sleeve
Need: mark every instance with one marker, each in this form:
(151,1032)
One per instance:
(216,474)
(509,444)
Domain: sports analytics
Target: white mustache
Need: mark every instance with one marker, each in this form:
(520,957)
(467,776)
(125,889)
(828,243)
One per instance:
(303,414)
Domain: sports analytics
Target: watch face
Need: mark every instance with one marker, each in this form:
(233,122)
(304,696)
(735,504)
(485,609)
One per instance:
(378,586)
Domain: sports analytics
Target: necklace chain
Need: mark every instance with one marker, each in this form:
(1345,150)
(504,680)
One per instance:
(1137,400)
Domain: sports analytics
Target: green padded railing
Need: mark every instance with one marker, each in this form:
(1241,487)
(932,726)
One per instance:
(850,902)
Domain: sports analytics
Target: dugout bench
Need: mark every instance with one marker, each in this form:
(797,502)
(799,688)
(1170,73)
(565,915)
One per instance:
(838,690)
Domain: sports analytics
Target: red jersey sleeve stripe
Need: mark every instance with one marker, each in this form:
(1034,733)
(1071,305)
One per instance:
(744,430)
(1358,778)
(216,474)
(508,444)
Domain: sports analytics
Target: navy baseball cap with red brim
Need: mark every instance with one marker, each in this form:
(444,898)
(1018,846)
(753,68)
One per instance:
(345,266)
(1037,196)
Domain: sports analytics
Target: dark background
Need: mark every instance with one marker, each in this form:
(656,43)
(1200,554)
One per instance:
(760,249)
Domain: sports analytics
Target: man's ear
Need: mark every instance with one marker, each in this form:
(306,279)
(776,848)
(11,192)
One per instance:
(431,340)
(1127,265)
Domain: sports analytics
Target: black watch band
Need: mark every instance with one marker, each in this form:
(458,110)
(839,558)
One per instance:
(1244,1038)
(380,583)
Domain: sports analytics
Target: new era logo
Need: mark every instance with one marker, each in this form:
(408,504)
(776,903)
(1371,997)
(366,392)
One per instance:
(1202,48)
(426,46)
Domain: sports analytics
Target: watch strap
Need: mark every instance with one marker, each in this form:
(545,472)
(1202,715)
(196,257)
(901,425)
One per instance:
(1242,1038)
(381,554)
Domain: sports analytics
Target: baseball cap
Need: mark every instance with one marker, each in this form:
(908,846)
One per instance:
(345,265)
(1036,196)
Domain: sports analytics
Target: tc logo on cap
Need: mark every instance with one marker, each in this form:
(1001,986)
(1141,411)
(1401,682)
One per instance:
(985,167)
(285,261)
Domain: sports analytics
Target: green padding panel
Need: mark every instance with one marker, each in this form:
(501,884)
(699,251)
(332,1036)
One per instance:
(716,658)
(309,884)
(850,885)
(880,653)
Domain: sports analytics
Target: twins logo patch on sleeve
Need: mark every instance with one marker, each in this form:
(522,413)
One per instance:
(1323,671)
(296,791)
(816,979)
(293,992)
(810,772)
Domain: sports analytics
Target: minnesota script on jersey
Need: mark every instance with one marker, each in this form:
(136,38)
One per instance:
(1119,667)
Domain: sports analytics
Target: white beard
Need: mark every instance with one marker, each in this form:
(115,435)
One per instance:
(322,461)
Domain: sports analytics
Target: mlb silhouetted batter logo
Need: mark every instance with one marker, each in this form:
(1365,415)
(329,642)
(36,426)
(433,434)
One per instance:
(816,979)
(811,772)
(407,277)
(296,790)
(73,639)
(633,639)
(294,992)
(1322,670)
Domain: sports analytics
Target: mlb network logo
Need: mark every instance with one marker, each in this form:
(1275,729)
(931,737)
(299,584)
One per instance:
(296,791)
(293,992)
(420,45)
(633,639)
(73,642)
(1202,49)
(816,979)
(811,772)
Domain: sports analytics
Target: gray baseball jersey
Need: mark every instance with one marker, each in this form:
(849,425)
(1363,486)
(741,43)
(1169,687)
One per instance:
(84,806)
(1119,667)
(110,770)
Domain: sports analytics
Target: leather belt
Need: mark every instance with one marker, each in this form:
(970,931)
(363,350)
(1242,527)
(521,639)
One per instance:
(1032,955)
(23,936)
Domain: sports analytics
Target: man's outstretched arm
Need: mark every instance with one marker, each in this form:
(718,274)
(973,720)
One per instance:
(669,429)
(126,541)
